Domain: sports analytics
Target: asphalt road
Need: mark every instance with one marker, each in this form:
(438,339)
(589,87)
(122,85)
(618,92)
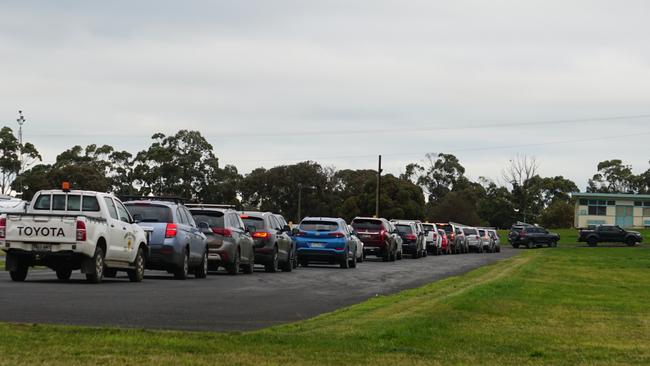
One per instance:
(220,302)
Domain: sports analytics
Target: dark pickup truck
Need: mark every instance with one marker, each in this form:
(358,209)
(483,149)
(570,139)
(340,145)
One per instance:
(609,234)
(531,236)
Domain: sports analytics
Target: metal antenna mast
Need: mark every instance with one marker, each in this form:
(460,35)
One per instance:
(21,120)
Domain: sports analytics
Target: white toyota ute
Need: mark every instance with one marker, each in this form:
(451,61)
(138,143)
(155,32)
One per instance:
(68,230)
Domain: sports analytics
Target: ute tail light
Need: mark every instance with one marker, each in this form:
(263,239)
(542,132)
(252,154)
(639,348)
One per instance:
(222,231)
(336,235)
(261,234)
(81,231)
(3,227)
(171,230)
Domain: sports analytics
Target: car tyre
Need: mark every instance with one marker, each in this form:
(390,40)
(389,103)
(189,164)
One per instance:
(272,266)
(345,261)
(592,242)
(233,268)
(136,274)
(182,272)
(353,261)
(288,265)
(249,267)
(98,260)
(202,270)
(399,256)
(19,274)
(63,274)
(631,242)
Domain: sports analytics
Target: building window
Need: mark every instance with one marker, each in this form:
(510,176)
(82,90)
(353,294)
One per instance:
(638,203)
(646,203)
(611,203)
(646,212)
(598,210)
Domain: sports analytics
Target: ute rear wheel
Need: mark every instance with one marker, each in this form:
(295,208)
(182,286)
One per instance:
(63,274)
(137,273)
(20,273)
(98,260)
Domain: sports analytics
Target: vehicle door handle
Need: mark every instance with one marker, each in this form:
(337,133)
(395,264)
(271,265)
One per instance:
(123,227)
(112,225)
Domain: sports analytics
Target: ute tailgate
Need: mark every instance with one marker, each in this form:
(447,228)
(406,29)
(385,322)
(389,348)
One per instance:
(41,228)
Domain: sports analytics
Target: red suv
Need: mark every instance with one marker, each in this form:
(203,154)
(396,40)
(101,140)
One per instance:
(377,236)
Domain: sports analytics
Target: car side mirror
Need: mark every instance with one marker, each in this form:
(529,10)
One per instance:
(295,231)
(137,218)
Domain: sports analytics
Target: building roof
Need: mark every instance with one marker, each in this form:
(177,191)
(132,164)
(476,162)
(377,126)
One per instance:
(628,196)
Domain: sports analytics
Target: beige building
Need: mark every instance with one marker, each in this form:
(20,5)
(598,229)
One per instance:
(625,210)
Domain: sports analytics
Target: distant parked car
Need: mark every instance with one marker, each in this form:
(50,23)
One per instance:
(412,242)
(230,244)
(284,224)
(444,243)
(531,236)
(473,239)
(609,234)
(422,234)
(398,240)
(176,244)
(486,240)
(378,237)
(273,245)
(359,246)
(434,241)
(497,240)
(455,237)
(10,204)
(325,240)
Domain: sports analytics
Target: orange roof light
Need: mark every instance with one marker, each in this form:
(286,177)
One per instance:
(65,186)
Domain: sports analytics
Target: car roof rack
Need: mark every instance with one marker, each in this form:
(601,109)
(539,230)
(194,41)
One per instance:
(211,205)
(177,200)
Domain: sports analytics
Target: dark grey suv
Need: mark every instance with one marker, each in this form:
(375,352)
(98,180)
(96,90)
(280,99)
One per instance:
(273,245)
(176,244)
(230,244)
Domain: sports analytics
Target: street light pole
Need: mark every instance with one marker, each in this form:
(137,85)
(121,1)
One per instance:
(300,187)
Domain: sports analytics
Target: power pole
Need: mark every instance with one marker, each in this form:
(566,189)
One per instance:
(299,201)
(21,120)
(378,187)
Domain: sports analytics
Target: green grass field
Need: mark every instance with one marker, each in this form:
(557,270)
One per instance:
(561,306)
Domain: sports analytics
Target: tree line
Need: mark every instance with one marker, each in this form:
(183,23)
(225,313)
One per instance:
(184,165)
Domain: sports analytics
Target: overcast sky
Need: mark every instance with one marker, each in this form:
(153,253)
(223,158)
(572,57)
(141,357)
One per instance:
(276,82)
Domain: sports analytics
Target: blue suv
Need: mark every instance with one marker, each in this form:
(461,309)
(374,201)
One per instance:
(176,244)
(324,239)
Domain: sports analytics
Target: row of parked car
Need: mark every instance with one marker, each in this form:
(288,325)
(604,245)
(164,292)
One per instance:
(100,235)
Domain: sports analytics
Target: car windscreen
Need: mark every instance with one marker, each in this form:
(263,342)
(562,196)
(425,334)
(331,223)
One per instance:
(468,231)
(367,224)
(314,225)
(481,232)
(146,212)
(404,229)
(428,227)
(256,222)
(212,218)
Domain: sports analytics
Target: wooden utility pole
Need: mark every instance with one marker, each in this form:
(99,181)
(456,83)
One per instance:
(378,188)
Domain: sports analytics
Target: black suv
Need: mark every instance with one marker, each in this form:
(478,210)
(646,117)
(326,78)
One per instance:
(531,236)
(273,246)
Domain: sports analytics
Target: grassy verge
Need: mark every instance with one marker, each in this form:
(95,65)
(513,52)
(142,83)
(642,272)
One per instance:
(562,306)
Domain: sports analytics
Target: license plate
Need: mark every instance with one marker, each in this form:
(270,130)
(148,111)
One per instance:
(42,247)
(316,245)
(365,236)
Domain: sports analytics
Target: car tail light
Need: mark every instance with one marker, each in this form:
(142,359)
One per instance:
(522,233)
(301,233)
(435,236)
(261,234)
(3,227)
(411,237)
(222,231)
(171,230)
(452,236)
(382,235)
(339,248)
(336,235)
(81,231)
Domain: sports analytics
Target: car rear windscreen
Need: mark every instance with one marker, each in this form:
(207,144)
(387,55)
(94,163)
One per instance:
(481,232)
(256,222)
(404,229)
(212,218)
(367,224)
(319,226)
(446,227)
(150,213)
(468,231)
(428,227)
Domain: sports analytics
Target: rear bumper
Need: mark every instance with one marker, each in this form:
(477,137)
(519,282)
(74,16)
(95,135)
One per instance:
(60,258)
(321,255)
(164,257)
(83,248)
(379,252)
(410,248)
